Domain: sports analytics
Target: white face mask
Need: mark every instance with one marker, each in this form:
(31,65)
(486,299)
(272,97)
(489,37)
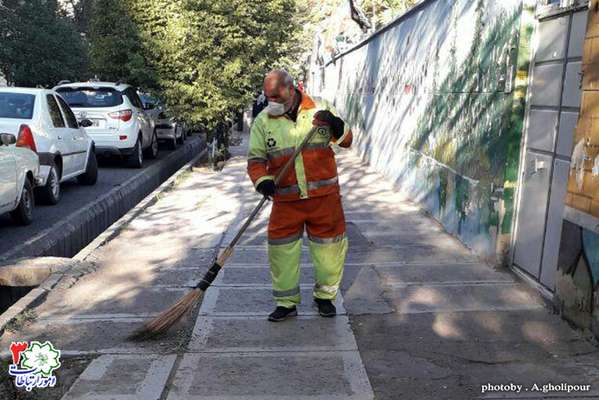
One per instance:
(275,109)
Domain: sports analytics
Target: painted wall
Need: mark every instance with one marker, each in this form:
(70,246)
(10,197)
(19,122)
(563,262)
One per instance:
(436,102)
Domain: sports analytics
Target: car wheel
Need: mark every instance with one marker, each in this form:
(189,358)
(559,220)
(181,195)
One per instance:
(50,192)
(90,176)
(181,138)
(172,143)
(152,151)
(136,159)
(23,214)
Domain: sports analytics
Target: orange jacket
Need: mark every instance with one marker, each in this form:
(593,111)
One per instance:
(273,141)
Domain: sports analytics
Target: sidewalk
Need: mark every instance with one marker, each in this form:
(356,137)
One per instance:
(420,317)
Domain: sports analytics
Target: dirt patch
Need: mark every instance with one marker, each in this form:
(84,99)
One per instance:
(69,370)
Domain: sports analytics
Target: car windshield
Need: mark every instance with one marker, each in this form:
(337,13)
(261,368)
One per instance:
(16,105)
(87,97)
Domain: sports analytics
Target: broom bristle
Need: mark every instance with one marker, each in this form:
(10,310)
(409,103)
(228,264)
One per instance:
(166,319)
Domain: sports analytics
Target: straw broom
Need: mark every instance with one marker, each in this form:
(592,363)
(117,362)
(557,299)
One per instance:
(166,319)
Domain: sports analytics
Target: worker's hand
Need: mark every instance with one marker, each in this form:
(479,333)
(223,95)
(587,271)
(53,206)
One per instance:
(266,188)
(327,118)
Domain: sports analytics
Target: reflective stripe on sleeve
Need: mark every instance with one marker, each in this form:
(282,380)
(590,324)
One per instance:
(319,184)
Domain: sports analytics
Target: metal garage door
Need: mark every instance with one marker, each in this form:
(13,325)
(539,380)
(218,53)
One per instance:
(553,106)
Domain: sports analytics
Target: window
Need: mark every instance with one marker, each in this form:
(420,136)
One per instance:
(66,110)
(90,97)
(16,105)
(149,101)
(133,97)
(55,114)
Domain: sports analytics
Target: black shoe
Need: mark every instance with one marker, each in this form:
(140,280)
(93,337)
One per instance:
(326,308)
(282,313)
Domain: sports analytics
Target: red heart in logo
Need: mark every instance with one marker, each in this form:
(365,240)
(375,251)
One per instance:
(16,348)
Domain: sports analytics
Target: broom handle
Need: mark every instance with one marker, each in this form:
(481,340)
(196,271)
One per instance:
(228,251)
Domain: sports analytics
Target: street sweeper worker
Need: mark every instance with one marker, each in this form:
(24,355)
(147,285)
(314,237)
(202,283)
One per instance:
(307,197)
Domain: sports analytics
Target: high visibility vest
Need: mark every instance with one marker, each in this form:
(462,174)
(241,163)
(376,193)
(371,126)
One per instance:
(273,141)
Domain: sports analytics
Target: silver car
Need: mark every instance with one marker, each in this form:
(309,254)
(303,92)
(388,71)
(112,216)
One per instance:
(169,130)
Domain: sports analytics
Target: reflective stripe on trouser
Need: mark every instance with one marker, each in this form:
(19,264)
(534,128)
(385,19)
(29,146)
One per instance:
(328,257)
(325,223)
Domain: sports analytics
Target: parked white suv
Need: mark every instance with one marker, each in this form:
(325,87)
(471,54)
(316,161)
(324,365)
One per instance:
(65,151)
(119,124)
(19,167)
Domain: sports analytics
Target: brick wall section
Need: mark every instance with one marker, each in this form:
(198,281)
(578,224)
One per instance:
(583,186)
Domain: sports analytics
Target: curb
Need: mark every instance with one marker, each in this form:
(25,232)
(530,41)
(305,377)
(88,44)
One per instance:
(51,281)
(67,237)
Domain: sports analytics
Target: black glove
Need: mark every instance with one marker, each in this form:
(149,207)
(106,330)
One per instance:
(325,117)
(266,188)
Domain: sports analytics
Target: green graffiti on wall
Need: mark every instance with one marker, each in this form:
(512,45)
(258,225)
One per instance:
(453,142)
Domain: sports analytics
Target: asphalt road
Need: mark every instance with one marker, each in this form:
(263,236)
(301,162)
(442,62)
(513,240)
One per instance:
(74,197)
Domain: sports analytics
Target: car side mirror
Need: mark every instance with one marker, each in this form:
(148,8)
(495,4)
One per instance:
(85,123)
(7,139)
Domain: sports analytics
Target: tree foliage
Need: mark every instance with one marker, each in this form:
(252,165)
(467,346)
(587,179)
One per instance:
(205,58)
(38,45)
(210,56)
(381,12)
(116,49)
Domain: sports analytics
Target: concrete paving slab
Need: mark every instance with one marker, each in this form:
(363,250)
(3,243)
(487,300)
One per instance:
(231,275)
(409,254)
(254,376)
(89,336)
(363,291)
(145,377)
(441,273)
(371,255)
(479,336)
(194,257)
(407,238)
(391,214)
(174,277)
(398,225)
(246,301)
(462,297)
(136,301)
(243,334)
(248,238)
